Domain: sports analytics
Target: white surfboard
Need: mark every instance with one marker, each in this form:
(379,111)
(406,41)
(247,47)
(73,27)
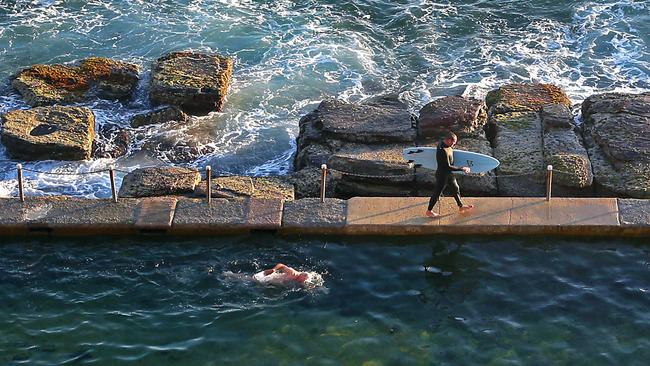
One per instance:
(426,157)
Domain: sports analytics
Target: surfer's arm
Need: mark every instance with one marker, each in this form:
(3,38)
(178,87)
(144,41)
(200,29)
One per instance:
(443,160)
(454,168)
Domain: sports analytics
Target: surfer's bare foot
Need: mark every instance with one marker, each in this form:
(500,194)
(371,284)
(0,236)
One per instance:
(432,214)
(465,208)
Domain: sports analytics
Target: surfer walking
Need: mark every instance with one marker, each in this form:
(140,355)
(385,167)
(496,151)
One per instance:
(445,176)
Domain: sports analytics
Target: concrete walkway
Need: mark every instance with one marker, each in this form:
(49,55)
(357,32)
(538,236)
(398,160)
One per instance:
(357,216)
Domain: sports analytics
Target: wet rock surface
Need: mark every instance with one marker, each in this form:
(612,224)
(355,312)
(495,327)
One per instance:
(159,181)
(160,115)
(196,82)
(616,129)
(111,141)
(371,169)
(59,133)
(531,127)
(42,85)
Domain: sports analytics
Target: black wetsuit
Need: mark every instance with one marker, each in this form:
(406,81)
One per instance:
(444,174)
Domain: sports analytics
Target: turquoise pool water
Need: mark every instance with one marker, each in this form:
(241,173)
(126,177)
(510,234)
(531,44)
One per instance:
(164,301)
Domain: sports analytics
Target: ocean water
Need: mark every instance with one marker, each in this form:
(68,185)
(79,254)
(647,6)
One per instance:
(165,301)
(289,55)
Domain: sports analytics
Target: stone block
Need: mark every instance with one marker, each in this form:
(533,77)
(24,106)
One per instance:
(43,85)
(59,133)
(159,181)
(463,116)
(196,82)
(524,98)
(518,147)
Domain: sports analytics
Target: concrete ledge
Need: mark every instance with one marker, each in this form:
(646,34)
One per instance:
(155,214)
(492,215)
(67,216)
(196,216)
(310,216)
(388,216)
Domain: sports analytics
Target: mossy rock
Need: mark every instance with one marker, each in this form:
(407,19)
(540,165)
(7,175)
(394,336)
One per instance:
(524,97)
(516,121)
(564,151)
(519,149)
(57,132)
(570,170)
(93,77)
(196,82)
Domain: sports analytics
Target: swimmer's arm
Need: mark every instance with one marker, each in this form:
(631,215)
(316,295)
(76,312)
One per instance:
(278,267)
(286,269)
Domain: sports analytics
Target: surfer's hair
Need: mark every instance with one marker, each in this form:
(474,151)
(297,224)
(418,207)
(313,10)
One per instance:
(452,136)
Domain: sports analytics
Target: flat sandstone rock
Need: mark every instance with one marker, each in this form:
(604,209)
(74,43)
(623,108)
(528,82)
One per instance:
(61,133)
(159,181)
(196,82)
(42,85)
(463,116)
(525,97)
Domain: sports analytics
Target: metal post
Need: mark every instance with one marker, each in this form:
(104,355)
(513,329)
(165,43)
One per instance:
(549,181)
(208,179)
(20,182)
(111,172)
(323,179)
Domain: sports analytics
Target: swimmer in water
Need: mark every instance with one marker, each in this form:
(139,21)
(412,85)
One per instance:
(283,275)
